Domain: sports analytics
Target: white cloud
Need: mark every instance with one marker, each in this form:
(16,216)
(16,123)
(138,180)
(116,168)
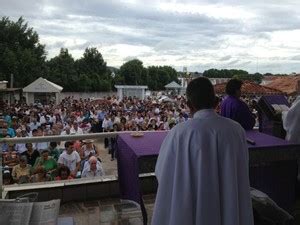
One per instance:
(248,35)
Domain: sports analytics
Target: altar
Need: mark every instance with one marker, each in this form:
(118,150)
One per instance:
(272,161)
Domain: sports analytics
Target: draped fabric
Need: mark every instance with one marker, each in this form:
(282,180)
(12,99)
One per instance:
(202,172)
(291,122)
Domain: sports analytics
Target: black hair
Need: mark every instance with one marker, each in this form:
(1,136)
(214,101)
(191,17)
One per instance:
(63,168)
(68,143)
(34,130)
(53,144)
(200,93)
(29,143)
(233,86)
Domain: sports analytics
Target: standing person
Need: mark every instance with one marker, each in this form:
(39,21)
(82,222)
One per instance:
(234,108)
(202,169)
(291,122)
(70,158)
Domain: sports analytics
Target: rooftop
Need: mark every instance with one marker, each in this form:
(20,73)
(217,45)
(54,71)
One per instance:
(287,84)
(249,87)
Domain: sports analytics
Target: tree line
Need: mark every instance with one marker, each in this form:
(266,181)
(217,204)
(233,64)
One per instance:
(22,55)
(233,73)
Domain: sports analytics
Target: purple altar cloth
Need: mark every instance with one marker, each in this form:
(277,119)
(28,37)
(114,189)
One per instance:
(265,141)
(131,149)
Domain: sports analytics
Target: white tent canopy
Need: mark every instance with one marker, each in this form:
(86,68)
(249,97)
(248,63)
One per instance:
(173,85)
(42,85)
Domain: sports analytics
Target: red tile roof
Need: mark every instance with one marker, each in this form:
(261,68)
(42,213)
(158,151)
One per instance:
(287,84)
(249,88)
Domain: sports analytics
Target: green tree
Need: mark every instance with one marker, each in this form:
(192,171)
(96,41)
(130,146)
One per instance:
(91,62)
(224,73)
(21,54)
(61,70)
(153,78)
(94,67)
(133,73)
(159,76)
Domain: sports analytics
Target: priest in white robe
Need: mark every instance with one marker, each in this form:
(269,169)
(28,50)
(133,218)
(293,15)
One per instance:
(291,122)
(202,168)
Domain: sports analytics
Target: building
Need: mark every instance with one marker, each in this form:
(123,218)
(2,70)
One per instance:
(289,84)
(42,91)
(9,95)
(174,87)
(215,81)
(249,88)
(131,91)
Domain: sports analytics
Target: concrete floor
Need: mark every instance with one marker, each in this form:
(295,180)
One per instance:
(110,167)
(107,212)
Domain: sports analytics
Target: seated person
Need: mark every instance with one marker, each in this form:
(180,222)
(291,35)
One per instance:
(10,158)
(20,147)
(88,149)
(31,154)
(47,162)
(63,173)
(53,151)
(70,158)
(21,173)
(291,122)
(7,178)
(234,108)
(10,131)
(40,175)
(92,168)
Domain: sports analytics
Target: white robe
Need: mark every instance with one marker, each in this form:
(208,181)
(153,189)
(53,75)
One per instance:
(202,173)
(291,122)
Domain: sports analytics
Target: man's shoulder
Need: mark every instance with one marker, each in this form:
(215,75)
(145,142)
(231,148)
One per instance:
(63,154)
(215,123)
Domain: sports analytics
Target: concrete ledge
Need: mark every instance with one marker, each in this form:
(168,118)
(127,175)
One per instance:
(79,189)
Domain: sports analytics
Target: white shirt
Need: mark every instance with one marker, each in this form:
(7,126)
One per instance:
(20,148)
(139,120)
(33,125)
(291,122)
(78,131)
(202,173)
(40,146)
(42,119)
(69,160)
(86,172)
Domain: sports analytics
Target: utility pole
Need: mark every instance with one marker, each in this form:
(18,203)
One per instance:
(11,80)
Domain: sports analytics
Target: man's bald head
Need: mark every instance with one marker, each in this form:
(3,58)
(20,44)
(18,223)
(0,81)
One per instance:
(92,159)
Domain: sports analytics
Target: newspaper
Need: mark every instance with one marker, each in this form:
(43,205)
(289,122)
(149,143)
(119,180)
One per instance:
(29,213)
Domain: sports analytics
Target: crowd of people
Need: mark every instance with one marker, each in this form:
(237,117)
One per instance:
(34,162)
(44,161)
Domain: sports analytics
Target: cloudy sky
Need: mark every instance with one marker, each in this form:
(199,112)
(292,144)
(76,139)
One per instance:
(254,35)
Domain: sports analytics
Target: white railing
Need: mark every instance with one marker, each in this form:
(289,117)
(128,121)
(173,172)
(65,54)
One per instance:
(57,138)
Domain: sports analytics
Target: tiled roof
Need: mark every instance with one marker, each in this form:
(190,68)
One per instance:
(249,87)
(286,84)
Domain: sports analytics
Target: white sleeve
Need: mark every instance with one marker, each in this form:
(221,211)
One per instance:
(60,159)
(83,173)
(99,166)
